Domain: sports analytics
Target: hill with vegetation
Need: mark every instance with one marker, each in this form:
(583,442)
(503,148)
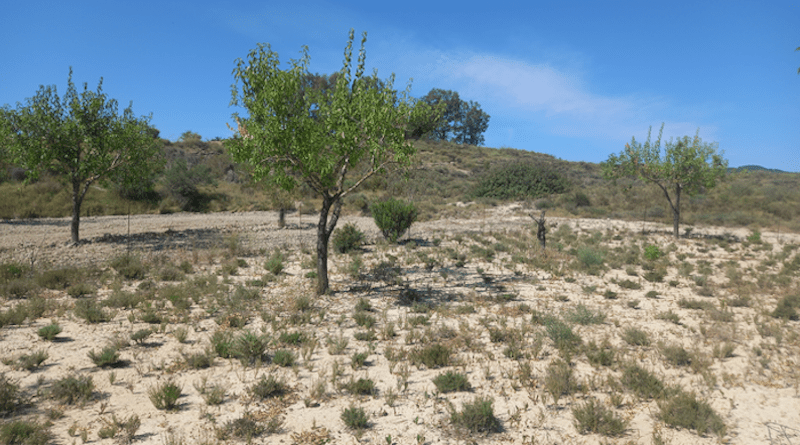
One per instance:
(199,176)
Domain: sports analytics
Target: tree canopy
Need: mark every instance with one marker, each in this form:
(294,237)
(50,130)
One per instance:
(687,166)
(293,132)
(462,122)
(81,137)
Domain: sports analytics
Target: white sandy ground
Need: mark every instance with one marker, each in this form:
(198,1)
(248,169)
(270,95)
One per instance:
(759,404)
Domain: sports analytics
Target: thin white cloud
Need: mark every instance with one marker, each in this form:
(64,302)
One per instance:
(560,98)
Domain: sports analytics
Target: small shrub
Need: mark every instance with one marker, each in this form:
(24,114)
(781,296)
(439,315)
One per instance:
(559,380)
(451,382)
(521,181)
(358,359)
(684,411)
(393,217)
(593,417)
(58,279)
(361,386)
(561,334)
(90,311)
(695,304)
(33,360)
(787,308)
(80,289)
(355,418)
(18,288)
(477,417)
(165,395)
(676,355)
(107,357)
(223,343)
(284,358)
(636,337)
(652,253)
(365,336)
(72,389)
(363,305)
(347,238)
(590,258)
(199,360)
(364,319)
(49,332)
(642,382)
(274,263)
(628,284)
(129,266)
(669,316)
(10,395)
(24,432)
(250,348)
(432,356)
(246,428)
(268,387)
(10,271)
(602,355)
(141,335)
(584,316)
(293,338)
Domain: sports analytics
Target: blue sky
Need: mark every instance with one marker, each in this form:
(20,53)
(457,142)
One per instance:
(573,79)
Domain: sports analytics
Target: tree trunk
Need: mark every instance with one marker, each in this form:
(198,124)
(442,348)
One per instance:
(322,248)
(676,212)
(281,218)
(77,199)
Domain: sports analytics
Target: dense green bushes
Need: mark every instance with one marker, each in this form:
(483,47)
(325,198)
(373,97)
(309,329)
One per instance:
(393,217)
(519,181)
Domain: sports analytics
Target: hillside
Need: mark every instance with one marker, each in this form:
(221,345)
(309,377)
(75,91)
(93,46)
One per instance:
(442,175)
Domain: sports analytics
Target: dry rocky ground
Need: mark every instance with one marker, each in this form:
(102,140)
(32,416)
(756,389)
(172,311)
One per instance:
(617,333)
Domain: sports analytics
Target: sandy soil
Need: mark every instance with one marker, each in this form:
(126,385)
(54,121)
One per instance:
(755,393)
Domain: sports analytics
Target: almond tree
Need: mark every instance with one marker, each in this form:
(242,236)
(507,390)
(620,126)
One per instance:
(294,133)
(687,166)
(80,137)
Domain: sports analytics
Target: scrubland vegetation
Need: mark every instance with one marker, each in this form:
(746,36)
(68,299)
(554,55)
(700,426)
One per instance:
(199,176)
(610,335)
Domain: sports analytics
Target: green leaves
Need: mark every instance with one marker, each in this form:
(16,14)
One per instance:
(687,166)
(81,136)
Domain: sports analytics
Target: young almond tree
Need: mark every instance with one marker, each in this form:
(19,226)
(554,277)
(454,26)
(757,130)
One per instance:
(80,137)
(687,166)
(295,132)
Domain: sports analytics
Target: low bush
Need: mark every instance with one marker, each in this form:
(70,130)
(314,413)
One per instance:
(636,337)
(24,432)
(477,417)
(361,386)
(129,266)
(642,382)
(683,410)
(268,387)
(347,238)
(393,217)
(521,181)
(787,308)
(250,348)
(72,389)
(108,356)
(451,382)
(432,356)
(559,380)
(593,417)
(165,395)
(49,332)
(283,357)
(10,395)
(355,418)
